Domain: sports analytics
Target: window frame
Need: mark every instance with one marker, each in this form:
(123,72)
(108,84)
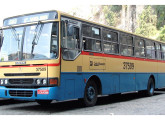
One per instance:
(163,57)
(158,52)
(150,41)
(80,37)
(121,44)
(142,39)
(92,38)
(111,42)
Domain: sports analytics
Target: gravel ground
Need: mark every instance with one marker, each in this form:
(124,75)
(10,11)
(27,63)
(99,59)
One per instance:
(125,104)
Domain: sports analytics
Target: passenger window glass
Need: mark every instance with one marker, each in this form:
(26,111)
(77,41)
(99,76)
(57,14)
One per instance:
(86,30)
(163,51)
(92,45)
(126,44)
(110,42)
(139,47)
(96,33)
(150,50)
(91,38)
(107,48)
(158,49)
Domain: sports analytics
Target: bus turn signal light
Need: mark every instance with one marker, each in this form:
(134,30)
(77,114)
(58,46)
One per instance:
(53,81)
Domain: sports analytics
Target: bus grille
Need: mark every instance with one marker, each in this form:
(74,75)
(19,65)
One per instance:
(20,93)
(21,81)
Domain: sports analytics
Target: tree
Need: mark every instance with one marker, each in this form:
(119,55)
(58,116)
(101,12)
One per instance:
(160,12)
(112,14)
(161,36)
(147,23)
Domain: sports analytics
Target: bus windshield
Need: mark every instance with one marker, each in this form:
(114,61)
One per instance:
(30,42)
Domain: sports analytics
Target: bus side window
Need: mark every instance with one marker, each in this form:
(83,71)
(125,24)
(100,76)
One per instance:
(163,51)
(54,42)
(91,38)
(139,47)
(158,50)
(150,49)
(110,42)
(70,41)
(126,45)
(0,38)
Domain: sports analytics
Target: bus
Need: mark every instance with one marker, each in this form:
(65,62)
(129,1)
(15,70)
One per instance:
(51,55)
(0,35)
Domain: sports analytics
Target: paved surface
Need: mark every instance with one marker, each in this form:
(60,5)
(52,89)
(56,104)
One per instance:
(126,104)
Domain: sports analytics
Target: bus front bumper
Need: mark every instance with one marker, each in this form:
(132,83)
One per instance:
(43,93)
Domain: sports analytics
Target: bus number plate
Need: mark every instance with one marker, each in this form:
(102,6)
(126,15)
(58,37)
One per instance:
(128,66)
(40,69)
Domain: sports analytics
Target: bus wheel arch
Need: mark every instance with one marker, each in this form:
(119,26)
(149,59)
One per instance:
(96,79)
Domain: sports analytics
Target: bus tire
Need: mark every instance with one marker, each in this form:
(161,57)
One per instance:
(44,102)
(90,94)
(150,87)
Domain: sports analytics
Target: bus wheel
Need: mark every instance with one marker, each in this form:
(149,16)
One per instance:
(90,94)
(44,102)
(150,87)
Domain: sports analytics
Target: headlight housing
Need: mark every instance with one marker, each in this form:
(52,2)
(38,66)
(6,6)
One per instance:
(6,81)
(44,81)
(2,82)
(38,81)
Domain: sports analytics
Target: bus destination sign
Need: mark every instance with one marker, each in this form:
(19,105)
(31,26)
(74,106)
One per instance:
(30,18)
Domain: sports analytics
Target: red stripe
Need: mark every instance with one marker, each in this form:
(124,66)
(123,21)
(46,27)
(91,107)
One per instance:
(119,56)
(31,65)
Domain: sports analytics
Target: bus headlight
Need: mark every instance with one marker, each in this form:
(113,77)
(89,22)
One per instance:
(2,82)
(6,81)
(44,81)
(38,81)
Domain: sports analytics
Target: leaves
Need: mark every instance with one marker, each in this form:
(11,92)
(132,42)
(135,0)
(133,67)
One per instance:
(147,23)
(112,13)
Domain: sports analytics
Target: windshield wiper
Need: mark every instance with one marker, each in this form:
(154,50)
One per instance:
(36,36)
(14,32)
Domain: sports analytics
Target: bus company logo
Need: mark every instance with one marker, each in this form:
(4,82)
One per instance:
(91,63)
(43,92)
(96,63)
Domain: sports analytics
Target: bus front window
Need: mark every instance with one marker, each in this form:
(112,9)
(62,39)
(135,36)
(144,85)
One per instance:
(36,42)
(11,45)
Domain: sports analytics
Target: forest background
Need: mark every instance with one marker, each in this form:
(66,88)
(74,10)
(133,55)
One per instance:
(145,20)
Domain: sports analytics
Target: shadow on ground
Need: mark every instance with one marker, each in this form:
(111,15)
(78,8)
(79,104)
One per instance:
(57,107)
(10,102)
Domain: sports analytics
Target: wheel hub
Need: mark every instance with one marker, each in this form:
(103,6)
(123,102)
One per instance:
(91,92)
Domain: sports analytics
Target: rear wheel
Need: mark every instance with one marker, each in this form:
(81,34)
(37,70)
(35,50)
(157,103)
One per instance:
(150,87)
(90,94)
(44,102)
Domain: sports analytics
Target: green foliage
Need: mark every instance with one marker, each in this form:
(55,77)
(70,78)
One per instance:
(162,34)
(160,12)
(147,23)
(112,13)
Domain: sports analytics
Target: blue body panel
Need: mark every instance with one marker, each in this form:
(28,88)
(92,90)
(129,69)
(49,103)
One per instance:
(72,85)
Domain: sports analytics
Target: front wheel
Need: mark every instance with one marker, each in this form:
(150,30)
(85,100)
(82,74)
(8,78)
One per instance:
(44,102)
(150,87)
(90,94)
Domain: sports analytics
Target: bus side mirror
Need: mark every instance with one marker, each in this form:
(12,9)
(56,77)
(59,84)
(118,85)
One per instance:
(70,30)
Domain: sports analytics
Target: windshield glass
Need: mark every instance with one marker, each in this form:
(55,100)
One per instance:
(35,42)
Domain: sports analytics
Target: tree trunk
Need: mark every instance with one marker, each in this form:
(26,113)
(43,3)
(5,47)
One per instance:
(133,16)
